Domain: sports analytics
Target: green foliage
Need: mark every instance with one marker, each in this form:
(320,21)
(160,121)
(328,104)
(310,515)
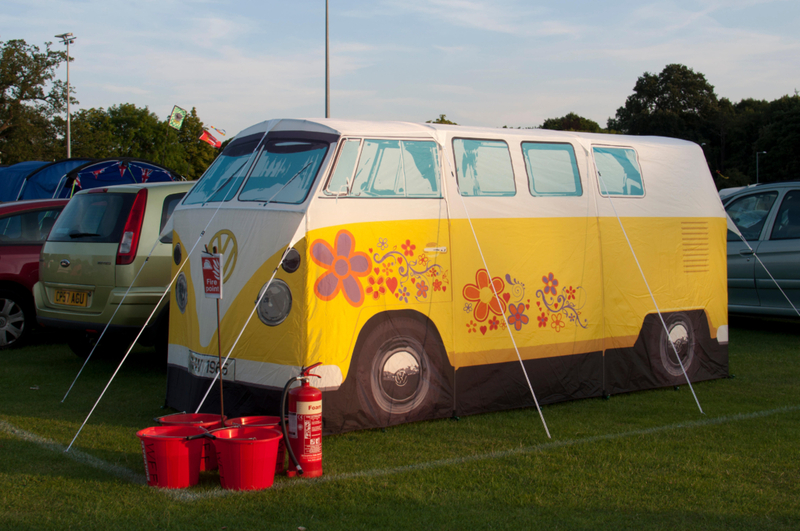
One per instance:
(442,119)
(29,100)
(128,131)
(572,122)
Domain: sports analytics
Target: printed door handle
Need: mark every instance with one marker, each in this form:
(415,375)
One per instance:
(435,249)
(746,252)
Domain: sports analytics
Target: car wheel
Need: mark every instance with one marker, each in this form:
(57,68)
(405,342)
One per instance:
(682,337)
(400,371)
(16,318)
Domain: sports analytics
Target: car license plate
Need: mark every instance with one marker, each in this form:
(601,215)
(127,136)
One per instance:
(72,298)
(207,366)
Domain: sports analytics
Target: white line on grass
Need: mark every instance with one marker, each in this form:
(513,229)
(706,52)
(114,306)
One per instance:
(187,496)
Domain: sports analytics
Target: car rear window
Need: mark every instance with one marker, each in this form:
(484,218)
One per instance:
(93,217)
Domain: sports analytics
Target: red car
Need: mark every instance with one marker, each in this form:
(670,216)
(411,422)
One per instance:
(24,226)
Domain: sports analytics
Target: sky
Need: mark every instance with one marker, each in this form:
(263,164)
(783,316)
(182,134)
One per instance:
(480,62)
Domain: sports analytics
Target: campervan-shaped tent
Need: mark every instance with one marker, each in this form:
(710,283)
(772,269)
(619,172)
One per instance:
(425,266)
(118,170)
(12,178)
(49,181)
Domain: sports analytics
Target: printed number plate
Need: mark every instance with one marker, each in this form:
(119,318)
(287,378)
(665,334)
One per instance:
(207,366)
(72,298)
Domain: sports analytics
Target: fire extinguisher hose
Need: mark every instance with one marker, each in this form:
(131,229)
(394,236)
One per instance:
(283,425)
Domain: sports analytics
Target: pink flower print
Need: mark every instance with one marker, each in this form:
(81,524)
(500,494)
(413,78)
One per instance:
(472,326)
(494,323)
(570,293)
(558,322)
(550,284)
(376,287)
(408,248)
(517,316)
(343,268)
(482,293)
(422,289)
(542,320)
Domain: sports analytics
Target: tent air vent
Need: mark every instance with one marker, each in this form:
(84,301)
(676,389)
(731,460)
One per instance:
(694,243)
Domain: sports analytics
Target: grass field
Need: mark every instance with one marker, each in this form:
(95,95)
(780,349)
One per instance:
(646,460)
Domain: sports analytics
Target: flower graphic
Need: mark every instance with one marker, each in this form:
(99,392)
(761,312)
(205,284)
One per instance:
(472,326)
(344,266)
(517,316)
(382,244)
(376,287)
(403,294)
(408,248)
(570,293)
(437,286)
(387,269)
(482,293)
(433,273)
(422,289)
(558,322)
(467,307)
(494,323)
(550,284)
(422,259)
(542,320)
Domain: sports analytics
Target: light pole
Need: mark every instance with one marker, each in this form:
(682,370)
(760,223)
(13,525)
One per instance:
(67,38)
(327,68)
(757,154)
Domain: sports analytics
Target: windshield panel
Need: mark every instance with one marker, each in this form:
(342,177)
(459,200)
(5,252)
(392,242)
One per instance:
(285,171)
(223,178)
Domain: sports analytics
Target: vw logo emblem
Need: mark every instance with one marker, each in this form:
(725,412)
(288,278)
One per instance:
(64,263)
(225,242)
(401,378)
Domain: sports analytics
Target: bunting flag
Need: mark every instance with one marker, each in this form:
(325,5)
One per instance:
(146,174)
(208,137)
(177,117)
(221,132)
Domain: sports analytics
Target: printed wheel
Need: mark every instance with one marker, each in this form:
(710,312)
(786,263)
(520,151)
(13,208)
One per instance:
(400,376)
(682,336)
(16,318)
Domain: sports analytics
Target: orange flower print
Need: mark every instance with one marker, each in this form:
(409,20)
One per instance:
(472,326)
(344,266)
(558,322)
(408,248)
(376,287)
(482,293)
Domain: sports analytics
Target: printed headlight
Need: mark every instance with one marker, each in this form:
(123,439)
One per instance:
(276,303)
(181,292)
(177,254)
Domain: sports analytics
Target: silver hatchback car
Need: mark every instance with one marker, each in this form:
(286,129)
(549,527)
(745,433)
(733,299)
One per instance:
(768,216)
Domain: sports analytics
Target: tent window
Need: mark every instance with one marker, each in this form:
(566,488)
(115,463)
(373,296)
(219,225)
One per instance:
(284,171)
(552,169)
(787,222)
(749,214)
(396,168)
(345,166)
(226,173)
(484,167)
(618,171)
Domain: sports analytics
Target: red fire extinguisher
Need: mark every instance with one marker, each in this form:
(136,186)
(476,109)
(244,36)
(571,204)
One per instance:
(304,432)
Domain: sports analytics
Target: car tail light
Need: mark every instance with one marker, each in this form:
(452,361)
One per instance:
(129,243)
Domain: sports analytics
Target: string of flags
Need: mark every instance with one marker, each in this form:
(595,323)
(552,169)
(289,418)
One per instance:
(179,114)
(210,137)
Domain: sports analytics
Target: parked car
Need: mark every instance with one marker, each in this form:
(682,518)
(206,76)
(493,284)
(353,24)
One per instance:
(24,226)
(768,216)
(92,256)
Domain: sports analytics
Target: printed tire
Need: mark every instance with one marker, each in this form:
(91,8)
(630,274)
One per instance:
(400,372)
(682,336)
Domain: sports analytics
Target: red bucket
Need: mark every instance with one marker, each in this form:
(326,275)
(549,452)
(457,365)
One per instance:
(209,421)
(266,421)
(170,460)
(246,456)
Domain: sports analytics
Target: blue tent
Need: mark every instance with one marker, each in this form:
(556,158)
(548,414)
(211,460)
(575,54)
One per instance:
(120,170)
(12,177)
(49,180)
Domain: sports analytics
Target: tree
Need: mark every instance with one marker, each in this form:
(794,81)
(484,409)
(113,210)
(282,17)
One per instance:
(442,119)
(677,102)
(29,101)
(572,122)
